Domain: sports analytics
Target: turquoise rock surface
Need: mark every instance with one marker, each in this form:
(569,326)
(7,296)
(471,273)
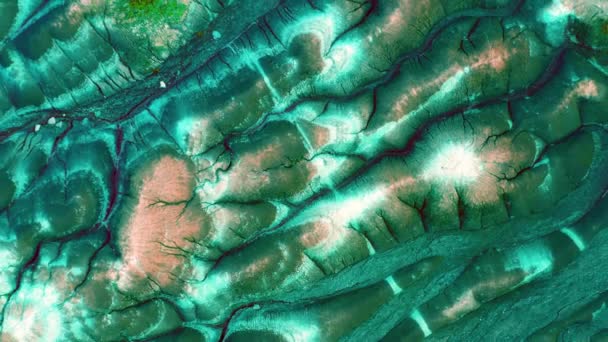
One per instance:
(303,170)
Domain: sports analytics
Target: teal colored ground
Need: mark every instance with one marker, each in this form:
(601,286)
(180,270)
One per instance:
(319,170)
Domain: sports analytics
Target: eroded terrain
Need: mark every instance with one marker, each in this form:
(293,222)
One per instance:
(289,170)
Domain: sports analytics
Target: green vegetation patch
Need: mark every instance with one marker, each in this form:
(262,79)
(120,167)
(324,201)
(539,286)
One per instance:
(150,11)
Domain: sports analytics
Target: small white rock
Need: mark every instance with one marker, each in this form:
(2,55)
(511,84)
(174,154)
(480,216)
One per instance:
(52,120)
(163,84)
(216,35)
(36,128)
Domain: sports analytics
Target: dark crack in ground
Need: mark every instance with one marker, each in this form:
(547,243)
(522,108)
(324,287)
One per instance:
(285,170)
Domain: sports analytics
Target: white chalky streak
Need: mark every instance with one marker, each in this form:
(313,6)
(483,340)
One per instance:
(576,239)
(393,284)
(273,91)
(417,316)
(370,248)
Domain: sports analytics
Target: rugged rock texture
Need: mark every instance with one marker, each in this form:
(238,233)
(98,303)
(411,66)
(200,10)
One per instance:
(290,170)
